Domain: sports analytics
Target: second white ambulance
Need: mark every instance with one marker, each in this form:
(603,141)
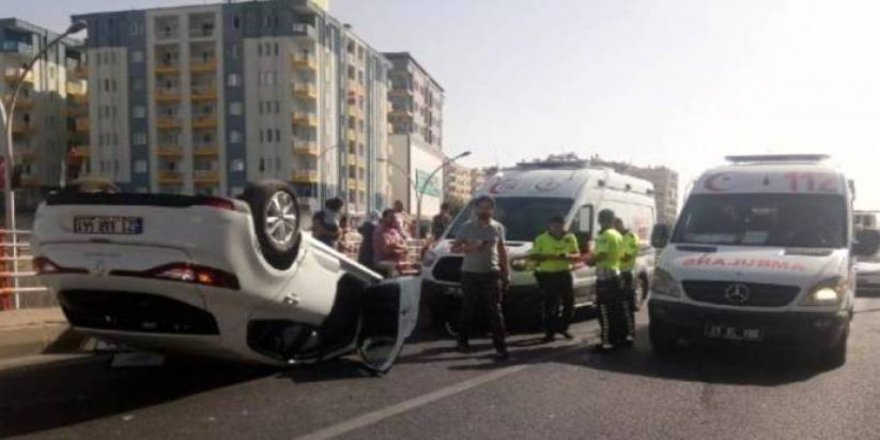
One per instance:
(762,253)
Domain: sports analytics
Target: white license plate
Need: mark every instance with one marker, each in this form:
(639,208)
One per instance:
(730,333)
(108,225)
(454,291)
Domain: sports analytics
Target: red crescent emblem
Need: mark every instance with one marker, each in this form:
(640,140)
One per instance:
(502,185)
(713,181)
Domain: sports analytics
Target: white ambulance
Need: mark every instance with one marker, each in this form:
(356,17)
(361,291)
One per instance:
(762,254)
(527,197)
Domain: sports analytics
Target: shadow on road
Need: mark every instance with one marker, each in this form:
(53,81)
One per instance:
(42,398)
(721,364)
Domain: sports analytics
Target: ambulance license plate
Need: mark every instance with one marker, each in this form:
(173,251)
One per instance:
(729,333)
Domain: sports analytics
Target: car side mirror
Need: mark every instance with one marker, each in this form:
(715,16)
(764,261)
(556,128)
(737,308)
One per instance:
(867,243)
(660,236)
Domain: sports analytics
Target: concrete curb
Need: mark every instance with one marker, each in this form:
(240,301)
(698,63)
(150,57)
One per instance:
(37,331)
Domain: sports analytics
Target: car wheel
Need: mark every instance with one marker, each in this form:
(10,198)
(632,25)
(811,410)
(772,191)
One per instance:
(276,218)
(663,339)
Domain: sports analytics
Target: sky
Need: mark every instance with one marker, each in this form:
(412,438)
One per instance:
(678,83)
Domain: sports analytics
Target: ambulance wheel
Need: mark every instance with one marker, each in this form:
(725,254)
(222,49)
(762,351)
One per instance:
(664,341)
(276,218)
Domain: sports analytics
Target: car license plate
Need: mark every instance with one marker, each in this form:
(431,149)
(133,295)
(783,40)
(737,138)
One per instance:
(108,225)
(734,333)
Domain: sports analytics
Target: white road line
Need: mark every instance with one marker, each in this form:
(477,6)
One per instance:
(407,405)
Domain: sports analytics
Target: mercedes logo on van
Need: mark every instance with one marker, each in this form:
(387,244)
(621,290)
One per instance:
(737,293)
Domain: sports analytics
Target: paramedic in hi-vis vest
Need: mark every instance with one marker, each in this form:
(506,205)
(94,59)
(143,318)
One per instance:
(554,251)
(631,248)
(614,308)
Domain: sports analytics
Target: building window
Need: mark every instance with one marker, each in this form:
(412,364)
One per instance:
(235,137)
(139,139)
(236,22)
(139,111)
(107,85)
(234,51)
(137,57)
(275,46)
(277,135)
(277,107)
(140,166)
(235,109)
(236,166)
(234,80)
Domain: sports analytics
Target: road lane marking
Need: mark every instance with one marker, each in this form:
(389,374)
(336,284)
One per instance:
(407,405)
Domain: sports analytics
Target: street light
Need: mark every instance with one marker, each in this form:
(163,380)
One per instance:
(7,114)
(420,191)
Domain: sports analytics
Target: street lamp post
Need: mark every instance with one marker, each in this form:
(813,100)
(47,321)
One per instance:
(7,114)
(420,190)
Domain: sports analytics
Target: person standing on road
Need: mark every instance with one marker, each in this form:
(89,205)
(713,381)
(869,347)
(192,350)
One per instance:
(325,223)
(630,253)
(389,246)
(485,273)
(401,219)
(614,310)
(365,253)
(554,252)
(440,221)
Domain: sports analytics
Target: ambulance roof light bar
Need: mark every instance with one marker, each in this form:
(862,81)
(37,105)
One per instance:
(779,158)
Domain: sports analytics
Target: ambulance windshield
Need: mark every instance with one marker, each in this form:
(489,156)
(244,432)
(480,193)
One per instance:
(777,220)
(523,217)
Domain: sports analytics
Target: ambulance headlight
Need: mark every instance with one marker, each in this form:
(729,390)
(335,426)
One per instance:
(665,285)
(827,293)
(521,264)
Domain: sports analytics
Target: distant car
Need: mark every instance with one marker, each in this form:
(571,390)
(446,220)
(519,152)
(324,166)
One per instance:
(228,278)
(868,276)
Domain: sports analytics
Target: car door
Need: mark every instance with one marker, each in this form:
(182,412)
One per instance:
(390,314)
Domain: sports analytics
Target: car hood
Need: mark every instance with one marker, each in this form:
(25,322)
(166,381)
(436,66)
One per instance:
(797,267)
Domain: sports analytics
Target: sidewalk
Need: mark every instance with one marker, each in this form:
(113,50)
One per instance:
(34,331)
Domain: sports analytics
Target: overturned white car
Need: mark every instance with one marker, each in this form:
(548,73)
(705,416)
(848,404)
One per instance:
(228,278)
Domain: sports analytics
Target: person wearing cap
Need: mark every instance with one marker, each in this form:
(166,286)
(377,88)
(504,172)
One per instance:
(485,273)
(613,312)
(554,251)
(630,253)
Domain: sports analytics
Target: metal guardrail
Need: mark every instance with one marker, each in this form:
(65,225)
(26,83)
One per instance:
(411,265)
(17,276)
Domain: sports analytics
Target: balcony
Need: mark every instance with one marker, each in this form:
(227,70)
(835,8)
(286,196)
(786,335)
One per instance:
(80,100)
(206,150)
(205,121)
(204,94)
(17,48)
(351,134)
(305,176)
(203,65)
(170,177)
(76,88)
(305,119)
(305,62)
(305,149)
(206,177)
(362,185)
(167,68)
(305,31)
(82,124)
(167,95)
(168,122)
(352,159)
(79,72)
(305,91)
(169,151)
(12,74)
(24,103)
(202,32)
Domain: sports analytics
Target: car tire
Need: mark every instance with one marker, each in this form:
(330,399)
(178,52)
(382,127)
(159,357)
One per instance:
(664,341)
(276,217)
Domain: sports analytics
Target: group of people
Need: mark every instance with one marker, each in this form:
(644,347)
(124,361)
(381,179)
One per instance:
(382,245)
(486,276)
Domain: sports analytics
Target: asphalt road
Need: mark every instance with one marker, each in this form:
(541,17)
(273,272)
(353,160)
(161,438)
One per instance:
(559,390)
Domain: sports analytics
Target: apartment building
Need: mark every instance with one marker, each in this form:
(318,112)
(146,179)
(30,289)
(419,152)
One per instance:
(478,179)
(458,182)
(416,138)
(42,132)
(205,98)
